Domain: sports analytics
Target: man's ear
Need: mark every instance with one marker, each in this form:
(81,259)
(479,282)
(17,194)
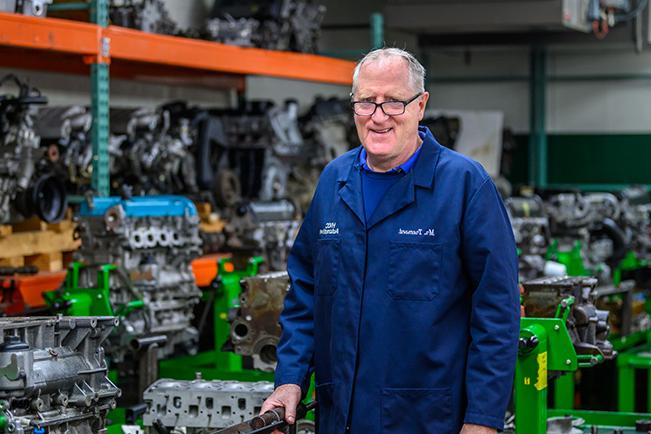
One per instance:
(422,104)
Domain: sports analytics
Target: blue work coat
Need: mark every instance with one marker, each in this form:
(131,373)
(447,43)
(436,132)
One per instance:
(409,319)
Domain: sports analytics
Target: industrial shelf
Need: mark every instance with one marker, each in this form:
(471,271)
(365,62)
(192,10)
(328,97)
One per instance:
(100,51)
(48,43)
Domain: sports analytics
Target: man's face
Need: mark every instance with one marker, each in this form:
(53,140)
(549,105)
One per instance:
(388,140)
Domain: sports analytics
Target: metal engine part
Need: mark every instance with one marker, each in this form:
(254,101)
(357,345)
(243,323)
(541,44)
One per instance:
(264,228)
(28,182)
(152,241)
(201,405)
(262,142)
(156,156)
(255,331)
(636,217)
(530,226)
(277,25)
(78,150)
(587,325)
(54,375)
(150,16)
(34,8)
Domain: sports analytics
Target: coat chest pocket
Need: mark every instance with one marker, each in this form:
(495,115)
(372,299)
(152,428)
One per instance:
(327,266)
(414,270)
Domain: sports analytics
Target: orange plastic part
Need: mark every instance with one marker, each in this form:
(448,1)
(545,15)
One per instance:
(205,268)
(32,287)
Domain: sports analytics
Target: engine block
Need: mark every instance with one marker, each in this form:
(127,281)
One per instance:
(53,375)
(199,404)
(152,241)
(255,330)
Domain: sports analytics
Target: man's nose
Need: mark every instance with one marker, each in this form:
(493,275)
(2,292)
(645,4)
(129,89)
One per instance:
(379,115)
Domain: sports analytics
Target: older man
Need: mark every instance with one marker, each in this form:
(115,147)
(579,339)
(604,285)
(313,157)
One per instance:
(404,296)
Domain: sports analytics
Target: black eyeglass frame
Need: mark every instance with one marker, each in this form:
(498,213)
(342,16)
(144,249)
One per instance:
(381,105)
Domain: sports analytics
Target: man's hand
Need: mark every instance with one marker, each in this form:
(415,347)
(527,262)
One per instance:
(287,396)
(477,429)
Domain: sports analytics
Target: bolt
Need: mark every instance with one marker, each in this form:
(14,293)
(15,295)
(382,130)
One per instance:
(568,362)
(557,327)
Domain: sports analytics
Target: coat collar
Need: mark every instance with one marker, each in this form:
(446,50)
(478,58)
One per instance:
(402,193)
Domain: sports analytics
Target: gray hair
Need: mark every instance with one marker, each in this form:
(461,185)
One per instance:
(416,70)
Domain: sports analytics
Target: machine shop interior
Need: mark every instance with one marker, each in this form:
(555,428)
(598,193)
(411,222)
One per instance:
(157,158)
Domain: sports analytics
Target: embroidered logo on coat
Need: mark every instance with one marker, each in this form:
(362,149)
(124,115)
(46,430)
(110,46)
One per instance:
(418,232)
(330,228)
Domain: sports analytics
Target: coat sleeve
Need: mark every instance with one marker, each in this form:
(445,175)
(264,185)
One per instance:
(296,347)
(490,260)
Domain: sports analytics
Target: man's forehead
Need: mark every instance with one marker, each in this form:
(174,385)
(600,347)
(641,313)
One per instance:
(386,76)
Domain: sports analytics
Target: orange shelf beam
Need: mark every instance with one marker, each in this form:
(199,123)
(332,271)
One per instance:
(135,52)
(50,34)
(134,45)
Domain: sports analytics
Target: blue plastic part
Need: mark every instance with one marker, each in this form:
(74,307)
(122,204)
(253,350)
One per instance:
(39,431)
(142,206)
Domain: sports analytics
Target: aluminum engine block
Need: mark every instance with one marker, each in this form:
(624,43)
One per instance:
(152,240)
(200,404)
(255,330)
(53,375)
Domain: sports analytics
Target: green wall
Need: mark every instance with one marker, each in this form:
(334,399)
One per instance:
(590,159)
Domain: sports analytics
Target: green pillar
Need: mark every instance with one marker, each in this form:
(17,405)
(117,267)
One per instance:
(99,75)
(537,103)
(531,383)
(564,391)
(377,30)
(625,384)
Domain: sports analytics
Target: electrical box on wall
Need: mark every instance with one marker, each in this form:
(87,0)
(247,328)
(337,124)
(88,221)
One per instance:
(575,15)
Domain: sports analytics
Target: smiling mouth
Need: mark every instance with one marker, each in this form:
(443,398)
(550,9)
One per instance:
(384,131)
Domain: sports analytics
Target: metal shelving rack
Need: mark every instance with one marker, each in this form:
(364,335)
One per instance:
(102,51)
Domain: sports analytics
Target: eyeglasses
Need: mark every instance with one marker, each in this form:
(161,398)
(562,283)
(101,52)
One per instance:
(389,108)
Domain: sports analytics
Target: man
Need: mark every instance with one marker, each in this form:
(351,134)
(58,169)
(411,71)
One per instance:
(404,297)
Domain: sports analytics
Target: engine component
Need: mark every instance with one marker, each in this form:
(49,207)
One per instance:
(587,325)
(77,156)
(35,8)
(277,25)
(28,182)
(264,228)
(151,241)
(157,155)
(255,331)
(150,16)
(531,231)
(54,374)
(201,405)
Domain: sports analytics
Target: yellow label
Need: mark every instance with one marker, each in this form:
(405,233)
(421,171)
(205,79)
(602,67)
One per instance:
(542,371)
(527,381)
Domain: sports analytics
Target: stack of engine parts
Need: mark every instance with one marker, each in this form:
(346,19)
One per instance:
(34,8)
(150,16)
(29,182)
(276,25)
(587,325)
(156,155)
(150,242)
(54,375)
(255,331)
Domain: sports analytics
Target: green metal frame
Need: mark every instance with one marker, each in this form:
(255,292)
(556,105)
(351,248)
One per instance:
(100,78)
(628,361)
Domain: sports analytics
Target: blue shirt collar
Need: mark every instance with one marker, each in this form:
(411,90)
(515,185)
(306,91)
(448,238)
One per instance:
(404,167)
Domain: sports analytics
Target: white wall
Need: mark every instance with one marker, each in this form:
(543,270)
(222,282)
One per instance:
(572,106)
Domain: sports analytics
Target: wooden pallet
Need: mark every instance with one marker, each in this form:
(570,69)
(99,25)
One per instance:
(34,242)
